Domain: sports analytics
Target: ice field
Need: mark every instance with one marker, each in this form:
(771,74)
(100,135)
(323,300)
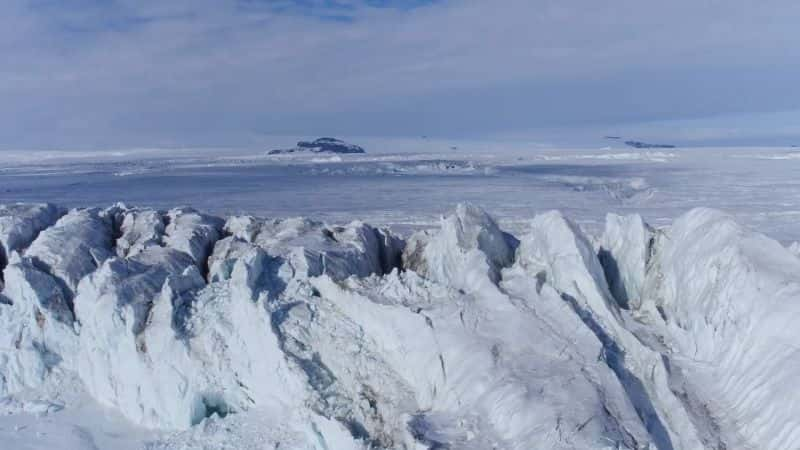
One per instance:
(410,183)
(476,297)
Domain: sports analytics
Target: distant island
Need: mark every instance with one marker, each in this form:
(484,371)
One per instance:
(638,144)
(321,145)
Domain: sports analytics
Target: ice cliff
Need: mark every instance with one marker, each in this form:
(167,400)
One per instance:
(464,336)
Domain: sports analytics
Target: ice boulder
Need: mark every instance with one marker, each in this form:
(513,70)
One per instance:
(468,249)
(557,249)
(139,229)
(192,233)
(625,251)
(242,227)
(313,248)
(74,247)
(20,223)
(226,252)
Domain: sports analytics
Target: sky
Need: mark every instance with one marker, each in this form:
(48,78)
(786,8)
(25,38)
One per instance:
(132,73)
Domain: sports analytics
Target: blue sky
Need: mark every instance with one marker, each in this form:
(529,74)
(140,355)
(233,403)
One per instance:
(121,73)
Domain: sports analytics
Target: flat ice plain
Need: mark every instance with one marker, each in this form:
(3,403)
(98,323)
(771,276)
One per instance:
(373,301)
(410,183)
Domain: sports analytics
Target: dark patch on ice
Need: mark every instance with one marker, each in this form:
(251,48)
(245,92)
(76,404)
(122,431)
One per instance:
(329,234)
(49,358)
(356,429)
(204,266)
(613,277)
(39,317)
(3,264)
(541,280)
(639,144)
(495,354)
(280,315)
(321,145)
(320,377)
(582,170)
(618,428)
(166,220)
(271,280)
(212,405)
(181,315)
(662,313)
(513,244)
(390,250)
(116,229)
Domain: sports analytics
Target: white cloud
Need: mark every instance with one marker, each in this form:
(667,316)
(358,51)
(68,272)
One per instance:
(181,70)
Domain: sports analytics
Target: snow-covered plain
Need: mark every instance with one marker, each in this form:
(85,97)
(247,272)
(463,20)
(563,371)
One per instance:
(159,326)
(409,183)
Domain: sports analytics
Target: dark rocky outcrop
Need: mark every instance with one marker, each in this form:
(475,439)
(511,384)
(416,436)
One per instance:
(321,145)
(639,144)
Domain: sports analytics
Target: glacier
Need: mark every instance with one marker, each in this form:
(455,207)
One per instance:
(164,329)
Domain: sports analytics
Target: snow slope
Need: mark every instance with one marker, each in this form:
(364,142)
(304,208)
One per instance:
(137,328)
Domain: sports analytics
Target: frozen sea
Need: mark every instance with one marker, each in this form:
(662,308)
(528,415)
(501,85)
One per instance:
(408,184)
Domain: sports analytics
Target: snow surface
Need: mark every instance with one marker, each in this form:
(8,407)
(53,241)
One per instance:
(127,327)
(408,183)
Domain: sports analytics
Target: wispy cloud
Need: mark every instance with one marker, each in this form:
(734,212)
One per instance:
(134,72)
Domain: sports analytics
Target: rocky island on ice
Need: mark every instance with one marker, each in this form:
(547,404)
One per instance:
(321,145)
(462,337)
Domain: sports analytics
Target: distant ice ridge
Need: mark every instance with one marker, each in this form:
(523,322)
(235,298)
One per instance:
(296,334)
(789,155)
(624,190)
(650,156)
(422,167)
(639,144)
